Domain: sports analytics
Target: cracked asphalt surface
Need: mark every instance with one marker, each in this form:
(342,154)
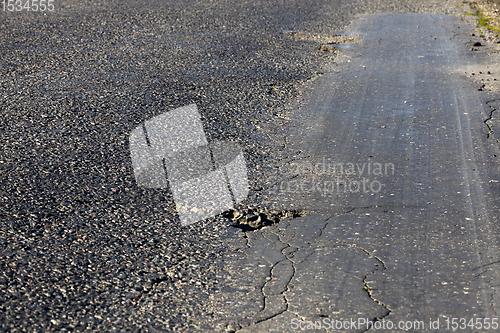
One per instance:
(429,224)
(84,249)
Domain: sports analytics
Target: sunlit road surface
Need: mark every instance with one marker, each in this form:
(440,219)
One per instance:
(406,232)
(393,163)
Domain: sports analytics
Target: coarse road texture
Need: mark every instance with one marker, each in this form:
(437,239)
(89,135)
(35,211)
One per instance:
(83,248)
(422,243)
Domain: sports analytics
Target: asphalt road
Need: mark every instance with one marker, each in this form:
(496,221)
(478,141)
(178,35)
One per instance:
(84,248)
(395,165)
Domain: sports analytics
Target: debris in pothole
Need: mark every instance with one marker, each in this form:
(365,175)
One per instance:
(254,219)
(328,39)
(328,48)
(329,43)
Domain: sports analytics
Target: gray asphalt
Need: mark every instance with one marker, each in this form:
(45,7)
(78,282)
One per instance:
(84,248)
(409,232)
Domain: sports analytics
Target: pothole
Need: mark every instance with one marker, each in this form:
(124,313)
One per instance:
(329,39)
(255,219)
(328,43)
(329,47)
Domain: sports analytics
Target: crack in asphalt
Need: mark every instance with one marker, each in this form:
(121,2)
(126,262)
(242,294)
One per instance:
(490,118)
(366,286)
(368,290)
(276,275)
(272,278)
(482,266)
